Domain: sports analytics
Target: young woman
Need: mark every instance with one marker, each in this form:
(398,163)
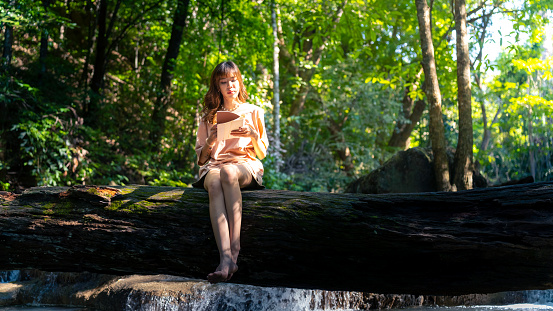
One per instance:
(226,166)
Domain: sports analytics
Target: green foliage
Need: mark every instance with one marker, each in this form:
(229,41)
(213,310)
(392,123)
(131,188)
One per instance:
(522,142)
(368,59)
(45,147)
(172,178)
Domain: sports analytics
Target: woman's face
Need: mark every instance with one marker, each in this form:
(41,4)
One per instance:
(229,87)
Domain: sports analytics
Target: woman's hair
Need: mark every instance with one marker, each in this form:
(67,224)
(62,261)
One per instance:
(213,99)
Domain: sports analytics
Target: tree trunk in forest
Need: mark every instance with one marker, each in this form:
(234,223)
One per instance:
(531,145)
(277,150)
(412,113)
(487,132)
(7,51)
(531,156)
(474,241)
(8,42)
(43,45)
(432,91)
(43,52)
(163,101)
(101,48)
(96,84)
(463,154)
(486,137)
(91,38)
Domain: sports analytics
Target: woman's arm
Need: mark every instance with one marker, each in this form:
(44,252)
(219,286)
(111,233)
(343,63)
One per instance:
(257,146)
(260,142)
(205,154)
(256,132)
(205,142)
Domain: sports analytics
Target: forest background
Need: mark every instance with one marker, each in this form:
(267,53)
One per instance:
(109,91)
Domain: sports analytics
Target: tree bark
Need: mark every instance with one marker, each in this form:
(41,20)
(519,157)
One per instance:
(412,113)
(432,91)
(452,243)
(163,101)
(43,53)
(97,81)
(531,144)
(8,43)
(463,154)
(486,135)
(277,150)
(101,47)
(7,51)
(91,39)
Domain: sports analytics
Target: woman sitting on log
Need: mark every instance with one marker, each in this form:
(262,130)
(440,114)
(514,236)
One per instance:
(231,164)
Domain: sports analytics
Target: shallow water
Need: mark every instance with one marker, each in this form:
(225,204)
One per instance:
(23,308)
(513,307)
(184,294)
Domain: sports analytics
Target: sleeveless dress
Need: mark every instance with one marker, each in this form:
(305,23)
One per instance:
(237,150)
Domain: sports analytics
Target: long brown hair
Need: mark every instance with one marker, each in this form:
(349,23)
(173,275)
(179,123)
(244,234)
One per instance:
(213,99)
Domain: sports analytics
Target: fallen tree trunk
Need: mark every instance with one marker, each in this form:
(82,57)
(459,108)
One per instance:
(476,241)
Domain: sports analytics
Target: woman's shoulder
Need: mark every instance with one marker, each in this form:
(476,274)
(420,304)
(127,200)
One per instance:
(252,108)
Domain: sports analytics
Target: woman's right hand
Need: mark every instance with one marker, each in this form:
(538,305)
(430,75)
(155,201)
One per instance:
(212,138)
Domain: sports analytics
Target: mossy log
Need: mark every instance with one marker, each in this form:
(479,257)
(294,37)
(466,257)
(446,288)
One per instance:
(477,241)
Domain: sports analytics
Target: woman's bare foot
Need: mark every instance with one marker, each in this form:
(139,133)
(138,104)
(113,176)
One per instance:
(223,272)
(232,270)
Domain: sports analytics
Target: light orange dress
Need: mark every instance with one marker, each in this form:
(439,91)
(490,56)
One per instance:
(237,150)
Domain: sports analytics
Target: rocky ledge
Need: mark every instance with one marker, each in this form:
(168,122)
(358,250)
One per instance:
(165,292)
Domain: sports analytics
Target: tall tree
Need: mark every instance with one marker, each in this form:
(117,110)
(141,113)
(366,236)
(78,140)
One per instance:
(105,46)
(432,91)
(486,135)
(276,90)
(43,44)
(91,111)
(463,154)
(8,43)
(412,111)
(163,101)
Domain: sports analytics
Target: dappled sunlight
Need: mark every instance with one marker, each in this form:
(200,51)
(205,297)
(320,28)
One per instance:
(9,289)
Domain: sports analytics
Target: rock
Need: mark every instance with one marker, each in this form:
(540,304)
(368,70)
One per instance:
(524,180)
(408,171)
(440,243)
(166,292)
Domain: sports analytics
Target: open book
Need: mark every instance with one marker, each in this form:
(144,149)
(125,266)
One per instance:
(226,122)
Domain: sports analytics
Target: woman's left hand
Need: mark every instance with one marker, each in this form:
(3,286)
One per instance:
(246,131)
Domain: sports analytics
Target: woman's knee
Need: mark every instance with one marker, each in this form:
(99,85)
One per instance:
(213,185)
(229,174)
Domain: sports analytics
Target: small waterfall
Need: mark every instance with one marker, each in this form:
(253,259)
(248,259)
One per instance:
(231,297)
(541,297)
(202,296)
(10,276)
(173,293)
(48,286)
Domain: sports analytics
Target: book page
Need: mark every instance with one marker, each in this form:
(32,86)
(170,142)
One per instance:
(225,116)
(227,122)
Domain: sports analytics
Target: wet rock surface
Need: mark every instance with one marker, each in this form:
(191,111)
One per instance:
(165,292)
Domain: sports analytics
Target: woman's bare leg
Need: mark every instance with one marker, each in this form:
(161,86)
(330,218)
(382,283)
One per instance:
(220,225)
(225,209)
(233,177)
